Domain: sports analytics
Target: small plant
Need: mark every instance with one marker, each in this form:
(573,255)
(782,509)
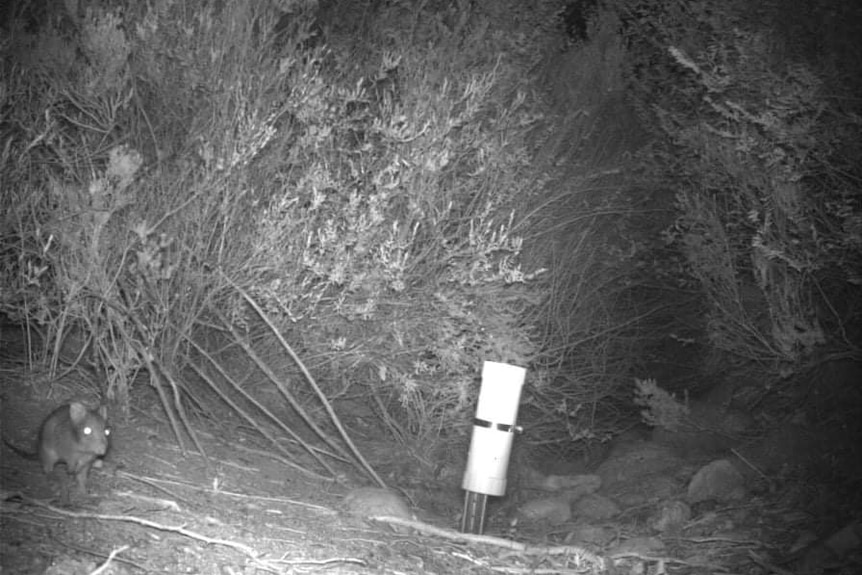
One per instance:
(661,409)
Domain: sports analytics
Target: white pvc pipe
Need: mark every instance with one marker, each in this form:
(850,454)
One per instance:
(494,428)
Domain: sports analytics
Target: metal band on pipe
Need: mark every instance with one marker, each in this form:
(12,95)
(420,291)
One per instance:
(504,427)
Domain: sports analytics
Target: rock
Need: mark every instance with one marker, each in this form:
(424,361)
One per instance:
(671,517)
(630,463)
(639,546)
(553,510)
(595,508)
(846,540)
(717,429)
(590,534)
(716,481)
(832,551)
(369,502)
(650,488)
(640,471)
(574,485)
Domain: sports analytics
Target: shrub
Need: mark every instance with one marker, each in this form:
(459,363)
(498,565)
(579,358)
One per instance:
(752,143)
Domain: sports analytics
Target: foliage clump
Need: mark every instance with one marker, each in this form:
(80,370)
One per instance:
(361,178)
(760,156)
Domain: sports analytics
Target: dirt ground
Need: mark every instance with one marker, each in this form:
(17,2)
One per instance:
(154,508)
(242,511)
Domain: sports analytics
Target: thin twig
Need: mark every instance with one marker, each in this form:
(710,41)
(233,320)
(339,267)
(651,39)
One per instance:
(311,381)
(242,412)
(294,403)
(587,556)
(246,550)
(107,563)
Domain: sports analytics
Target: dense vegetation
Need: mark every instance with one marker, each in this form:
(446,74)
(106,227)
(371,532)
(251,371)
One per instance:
(402,190)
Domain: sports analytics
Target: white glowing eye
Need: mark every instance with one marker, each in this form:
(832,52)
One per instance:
(107,432)
(88,430)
